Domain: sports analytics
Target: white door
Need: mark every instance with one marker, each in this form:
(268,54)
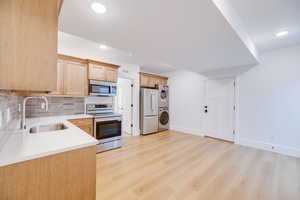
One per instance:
(219,113)
(124,101)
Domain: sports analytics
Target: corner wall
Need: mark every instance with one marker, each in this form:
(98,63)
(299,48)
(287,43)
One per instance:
(186,101)
(269,103)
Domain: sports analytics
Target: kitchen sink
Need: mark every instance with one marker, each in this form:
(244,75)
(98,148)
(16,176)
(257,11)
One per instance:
(47,128)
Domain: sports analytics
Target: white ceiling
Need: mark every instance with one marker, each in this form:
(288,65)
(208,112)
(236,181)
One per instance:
(71,45)
(262,19)
(160,35)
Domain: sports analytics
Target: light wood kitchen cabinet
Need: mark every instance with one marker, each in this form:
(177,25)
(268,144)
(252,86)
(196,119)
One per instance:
(144,80)
(86,125)
(111,74)
(67,175)
(97,72)
(71,77)
(152,80)
(60,78)
(75,79)
(164,81)
(102,71)
(28,41)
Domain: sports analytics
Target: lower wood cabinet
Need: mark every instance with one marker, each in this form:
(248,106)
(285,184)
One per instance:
(68,175)
(86,125)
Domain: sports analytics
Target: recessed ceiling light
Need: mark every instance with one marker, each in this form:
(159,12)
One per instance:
(98,8)
(103,46)
(282,33)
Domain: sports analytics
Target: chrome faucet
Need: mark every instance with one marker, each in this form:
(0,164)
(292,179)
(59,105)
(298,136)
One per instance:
(23,120)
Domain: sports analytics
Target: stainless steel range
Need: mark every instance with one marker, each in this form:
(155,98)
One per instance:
(107,126)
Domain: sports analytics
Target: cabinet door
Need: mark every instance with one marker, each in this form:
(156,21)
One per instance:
(152,82)
(75,79)
(97,72)
(144,80)
(60,78)
(164,81)
(158,81)
(111,75)
(28,43)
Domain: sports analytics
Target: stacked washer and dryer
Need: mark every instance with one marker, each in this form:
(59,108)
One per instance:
(154,110)
(163,103)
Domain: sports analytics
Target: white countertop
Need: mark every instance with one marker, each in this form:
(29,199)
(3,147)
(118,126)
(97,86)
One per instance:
(22,146)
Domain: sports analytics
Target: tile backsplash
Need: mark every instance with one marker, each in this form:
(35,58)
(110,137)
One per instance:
(11,107)
(9,114)
(57,106)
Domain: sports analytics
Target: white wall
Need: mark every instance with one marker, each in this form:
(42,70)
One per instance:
(269,103)
(186,101)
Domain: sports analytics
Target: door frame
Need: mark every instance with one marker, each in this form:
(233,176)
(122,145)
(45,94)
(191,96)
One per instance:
(132,103)
(235,106)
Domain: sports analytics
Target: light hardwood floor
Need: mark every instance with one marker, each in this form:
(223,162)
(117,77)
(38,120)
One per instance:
(172,165)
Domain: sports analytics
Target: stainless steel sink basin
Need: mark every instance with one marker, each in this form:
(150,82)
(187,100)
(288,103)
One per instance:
(47,128)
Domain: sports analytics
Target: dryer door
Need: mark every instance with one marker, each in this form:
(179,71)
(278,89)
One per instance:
(164,118)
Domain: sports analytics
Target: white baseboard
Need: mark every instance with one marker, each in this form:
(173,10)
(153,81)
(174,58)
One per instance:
(187,130)
(285,150)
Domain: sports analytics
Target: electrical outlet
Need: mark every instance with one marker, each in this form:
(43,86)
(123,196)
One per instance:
(7,115)
(43,105)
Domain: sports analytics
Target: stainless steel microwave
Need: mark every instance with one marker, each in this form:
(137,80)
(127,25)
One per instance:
(102,88)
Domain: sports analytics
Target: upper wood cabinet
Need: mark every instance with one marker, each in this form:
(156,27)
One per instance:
(75,79)
(111,74)
(60,78)
(28,44)
(97,72)
(152,80)
(72,79)
(102,71)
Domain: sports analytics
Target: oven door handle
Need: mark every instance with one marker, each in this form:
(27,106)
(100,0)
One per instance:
(109,119)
